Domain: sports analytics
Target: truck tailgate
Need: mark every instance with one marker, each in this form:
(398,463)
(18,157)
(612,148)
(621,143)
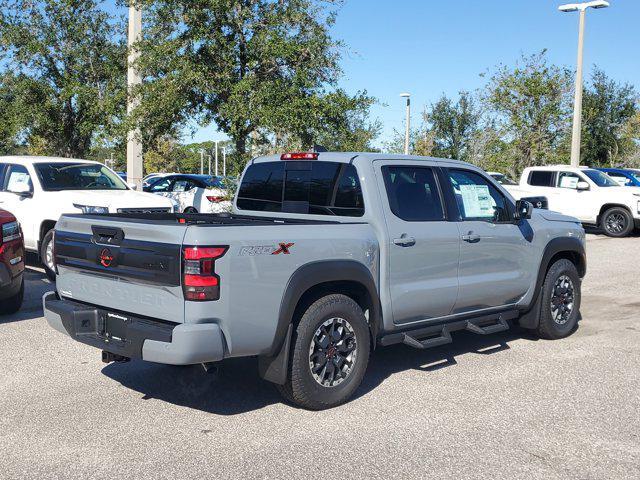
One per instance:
(112,263)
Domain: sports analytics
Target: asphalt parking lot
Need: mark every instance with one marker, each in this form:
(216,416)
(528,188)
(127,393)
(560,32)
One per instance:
(504,406)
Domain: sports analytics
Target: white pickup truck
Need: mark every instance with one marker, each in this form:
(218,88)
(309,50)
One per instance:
(37,190)
(585,193)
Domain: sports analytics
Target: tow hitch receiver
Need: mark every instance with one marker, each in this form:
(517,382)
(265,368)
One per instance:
(108,357)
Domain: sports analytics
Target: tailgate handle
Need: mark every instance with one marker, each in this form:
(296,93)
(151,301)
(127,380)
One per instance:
(107,235)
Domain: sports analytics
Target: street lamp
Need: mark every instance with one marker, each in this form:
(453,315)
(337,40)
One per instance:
(408,122)
(577,104)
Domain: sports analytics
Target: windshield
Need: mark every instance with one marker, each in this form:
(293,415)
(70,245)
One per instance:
(77,176)
(600,179)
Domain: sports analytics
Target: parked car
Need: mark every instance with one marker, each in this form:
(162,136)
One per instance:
(11,264)
(325,256)
(152,177)
(39,189)
(502,179)
(585,193)
(193,193)
(625,177)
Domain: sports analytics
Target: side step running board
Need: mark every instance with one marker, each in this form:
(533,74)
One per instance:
(501,326)
(436,335)
(443,339)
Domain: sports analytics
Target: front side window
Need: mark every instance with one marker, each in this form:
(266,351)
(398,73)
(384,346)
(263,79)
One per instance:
(319,188)
(568,180)
(541,178)
(413,193)
(183,185)
(477,198)
(17,179)
(56,177)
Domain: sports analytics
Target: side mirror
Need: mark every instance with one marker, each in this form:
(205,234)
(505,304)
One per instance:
(582,186)
(132,186)
(22,190)
(523,210)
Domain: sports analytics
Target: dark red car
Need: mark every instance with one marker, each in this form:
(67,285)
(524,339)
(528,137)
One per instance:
(11,264)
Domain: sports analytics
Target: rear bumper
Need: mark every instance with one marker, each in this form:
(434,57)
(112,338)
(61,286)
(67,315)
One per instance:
(147,339)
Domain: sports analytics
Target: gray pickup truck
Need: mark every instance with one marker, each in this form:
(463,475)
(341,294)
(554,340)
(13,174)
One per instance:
(325,257)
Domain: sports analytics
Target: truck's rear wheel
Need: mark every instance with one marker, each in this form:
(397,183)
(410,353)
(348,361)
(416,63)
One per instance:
(560,301)
(617,222)
(46,255)
(329,355)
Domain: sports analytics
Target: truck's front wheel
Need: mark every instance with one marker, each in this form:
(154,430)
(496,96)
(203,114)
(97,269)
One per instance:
(329,355)
(46,254)
(560,301)
(617,222)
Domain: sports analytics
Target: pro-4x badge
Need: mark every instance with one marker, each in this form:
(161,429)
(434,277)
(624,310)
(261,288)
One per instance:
(253,250)
(284,248)
(106,257)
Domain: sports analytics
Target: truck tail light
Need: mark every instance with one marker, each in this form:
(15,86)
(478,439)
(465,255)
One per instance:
(215,198)
(299,156)
(200,282)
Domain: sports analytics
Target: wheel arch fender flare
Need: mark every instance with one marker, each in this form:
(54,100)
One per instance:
(560,247)
(273,366)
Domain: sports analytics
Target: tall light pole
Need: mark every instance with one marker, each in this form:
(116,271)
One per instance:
(134,144)
(201,161)
(224,161)
(407,122)
(577,103)
(216,170)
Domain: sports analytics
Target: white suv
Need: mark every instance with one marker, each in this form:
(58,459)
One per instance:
(585,193)
(37,190)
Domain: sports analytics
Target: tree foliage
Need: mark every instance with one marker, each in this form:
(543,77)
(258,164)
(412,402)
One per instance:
(69,58)
(530,107)
(608,108)
(257,68)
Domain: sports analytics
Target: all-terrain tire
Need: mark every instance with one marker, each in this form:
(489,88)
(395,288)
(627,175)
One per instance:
(302,387)
(560,301)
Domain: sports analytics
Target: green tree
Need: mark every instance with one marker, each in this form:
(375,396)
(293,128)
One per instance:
(453,125)
(69,57)
(607,109)
(259,69)
(530,107)
(10,116)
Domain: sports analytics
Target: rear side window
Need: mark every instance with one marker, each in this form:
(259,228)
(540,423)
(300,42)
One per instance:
(541,178)
(413,193)
(319,188)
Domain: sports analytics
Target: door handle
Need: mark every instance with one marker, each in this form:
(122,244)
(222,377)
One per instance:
(471,237)
(404,241)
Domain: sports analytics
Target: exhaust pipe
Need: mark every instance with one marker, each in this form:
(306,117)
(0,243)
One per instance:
(108,357)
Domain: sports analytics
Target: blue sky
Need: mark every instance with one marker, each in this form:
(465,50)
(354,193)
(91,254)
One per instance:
(430,47)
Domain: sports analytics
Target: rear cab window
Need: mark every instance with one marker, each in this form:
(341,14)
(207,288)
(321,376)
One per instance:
(541,178)
(413,193)
(304,187)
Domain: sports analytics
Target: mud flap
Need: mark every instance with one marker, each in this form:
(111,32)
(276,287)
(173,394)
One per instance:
(274,369)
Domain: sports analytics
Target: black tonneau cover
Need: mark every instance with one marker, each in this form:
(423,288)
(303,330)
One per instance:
(203,219)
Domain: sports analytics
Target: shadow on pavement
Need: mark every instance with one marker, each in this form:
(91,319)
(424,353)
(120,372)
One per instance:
(237,388)
(36,284)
